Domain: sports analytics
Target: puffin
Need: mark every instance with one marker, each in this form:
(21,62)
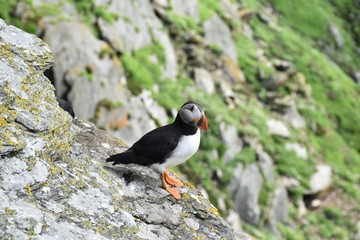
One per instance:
(168,146)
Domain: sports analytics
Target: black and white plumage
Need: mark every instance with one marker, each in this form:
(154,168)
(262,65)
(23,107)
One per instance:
(169,145)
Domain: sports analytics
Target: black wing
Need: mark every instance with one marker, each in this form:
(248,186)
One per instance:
(153,147)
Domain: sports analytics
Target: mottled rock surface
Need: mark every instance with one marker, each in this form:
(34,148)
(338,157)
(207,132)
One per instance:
(54,183)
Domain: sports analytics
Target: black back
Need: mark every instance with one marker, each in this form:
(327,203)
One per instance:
(155,146)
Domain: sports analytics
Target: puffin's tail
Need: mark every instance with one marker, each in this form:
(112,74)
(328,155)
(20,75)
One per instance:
(123,158)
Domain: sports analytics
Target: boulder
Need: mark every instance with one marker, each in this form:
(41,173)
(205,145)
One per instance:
(321,180)
(277,127)
(247,194)
(53,176)
(231,139)
(336,34)
(299,150)
(79,71)
(266,164)
(128,32)
(217,32)
(356,76)
(188,8)
(204,80)
(278,209)
(293,117)
(136,28)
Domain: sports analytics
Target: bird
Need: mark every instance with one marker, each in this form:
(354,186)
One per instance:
(66,106)
(168,146)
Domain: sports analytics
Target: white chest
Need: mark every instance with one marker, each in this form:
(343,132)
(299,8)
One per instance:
(188,145)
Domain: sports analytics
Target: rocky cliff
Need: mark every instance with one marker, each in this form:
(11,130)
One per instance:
(278,78)
(53,180)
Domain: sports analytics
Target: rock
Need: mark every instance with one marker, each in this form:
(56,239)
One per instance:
(247,194)
(79,71)
(320,181)
(217,32)
(299,150)
(267,16)
(204,80)
(247,14)
(226,87)
(186,8)
(278,210)
(301,210)
(135,29)
(128,32)
(230,10)
(24,110)
(232,73)
(200,57)
(356,76)
(161,3)
(357,237)
(336,34)
(315,203)
(277,127)
(279,205)
(141,121)
(290,182)
(233,187)
(234,220)
(293,117)
(275,81)
(266,164)
(231,139)
(170,68)
(283,65)
(65,190)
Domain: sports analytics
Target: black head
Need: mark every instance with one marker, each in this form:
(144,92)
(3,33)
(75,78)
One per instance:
(193,114)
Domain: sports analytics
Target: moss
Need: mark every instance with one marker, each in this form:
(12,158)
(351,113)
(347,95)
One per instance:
(44,227)
(106,50)
(213,210)
(189,185)
(30,232)
(80,184)
(87,73)
(216,49)
(104,13)
(3,122)
(9,211)
(31,164)
(28,189)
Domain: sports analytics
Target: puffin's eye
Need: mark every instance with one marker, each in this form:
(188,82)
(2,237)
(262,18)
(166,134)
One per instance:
(192,108)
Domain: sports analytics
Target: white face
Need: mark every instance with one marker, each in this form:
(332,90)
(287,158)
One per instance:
(191,114)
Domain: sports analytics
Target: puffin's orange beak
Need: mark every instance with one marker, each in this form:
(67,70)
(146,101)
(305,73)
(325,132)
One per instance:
(202,123)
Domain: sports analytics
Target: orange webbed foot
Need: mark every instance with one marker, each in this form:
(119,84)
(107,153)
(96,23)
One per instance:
(172,181)
(172,190)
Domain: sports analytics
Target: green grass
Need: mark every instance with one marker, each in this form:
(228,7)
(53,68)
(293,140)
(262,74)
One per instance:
(182,23)
(208,8)
(141,71)
(330,224)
